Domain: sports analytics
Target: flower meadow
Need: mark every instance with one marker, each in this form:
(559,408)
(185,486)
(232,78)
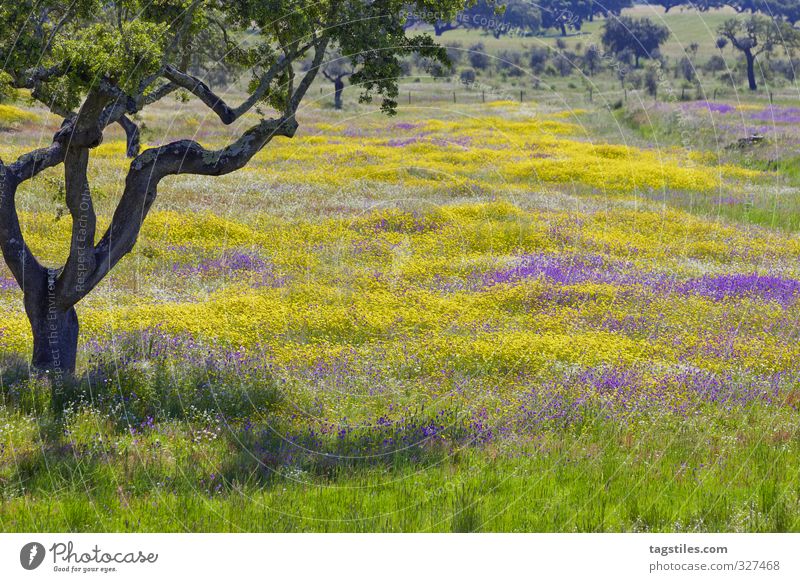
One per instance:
(486,321)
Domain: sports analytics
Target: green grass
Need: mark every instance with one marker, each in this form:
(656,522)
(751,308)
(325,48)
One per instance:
(734,472)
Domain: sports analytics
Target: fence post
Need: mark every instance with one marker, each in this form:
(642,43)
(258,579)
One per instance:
(409,97)
(483,96)
(521,96)
(454,96)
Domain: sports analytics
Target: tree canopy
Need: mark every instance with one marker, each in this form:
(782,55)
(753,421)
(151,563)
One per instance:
(640,37)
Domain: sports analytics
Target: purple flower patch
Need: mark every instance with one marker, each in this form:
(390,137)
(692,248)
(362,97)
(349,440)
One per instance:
(774,114)
(719,287)
(571,270)
(713,107)
(232,263)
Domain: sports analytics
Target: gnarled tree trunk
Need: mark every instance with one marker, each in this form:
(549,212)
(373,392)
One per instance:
(55,330)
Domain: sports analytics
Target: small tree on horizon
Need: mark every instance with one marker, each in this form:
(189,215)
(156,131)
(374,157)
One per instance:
(97,62)
(756,36)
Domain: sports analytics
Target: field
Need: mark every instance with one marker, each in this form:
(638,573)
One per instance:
(547,315)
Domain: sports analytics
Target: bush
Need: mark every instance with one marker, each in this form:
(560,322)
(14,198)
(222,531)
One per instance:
(636,80)
(478,57)
(538,59)
(715,64)
(510,62)
(563,63)
(468,76)
(786,68)
(454,52)
(593,59)
(651,81)
(686,69)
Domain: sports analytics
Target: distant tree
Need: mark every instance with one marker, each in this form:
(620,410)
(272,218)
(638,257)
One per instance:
(592,59)
(503,17)
(336,70)
(97,63)
(668,4)
(641,36)
(564,15)
(756,36)
(607,8)
(788,10)
(520,16)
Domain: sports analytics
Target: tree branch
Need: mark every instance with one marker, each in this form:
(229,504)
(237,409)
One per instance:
(226,114)
(81,260)
(319,54)
(149,168)
(19,258)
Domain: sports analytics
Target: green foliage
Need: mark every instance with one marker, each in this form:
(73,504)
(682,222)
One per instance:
(123,55)
(127,43)
(640,36)
(7,91)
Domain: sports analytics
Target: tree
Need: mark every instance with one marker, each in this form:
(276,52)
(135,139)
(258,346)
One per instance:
(336,70)
(97,62)
(607,8)
(667,5)
(640,36)
(565,14)
(757,35)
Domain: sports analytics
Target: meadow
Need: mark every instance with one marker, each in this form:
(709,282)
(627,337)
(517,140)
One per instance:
(552,315)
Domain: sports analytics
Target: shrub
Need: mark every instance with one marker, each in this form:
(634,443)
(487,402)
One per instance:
(715,64)
(510,62)
(478,57)
(563,63)
(538,59)
(468,76)
(454,52)
(686,69)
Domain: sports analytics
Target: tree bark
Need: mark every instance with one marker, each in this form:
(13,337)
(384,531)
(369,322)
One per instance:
(751,70)
(338,89)
(55,330)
